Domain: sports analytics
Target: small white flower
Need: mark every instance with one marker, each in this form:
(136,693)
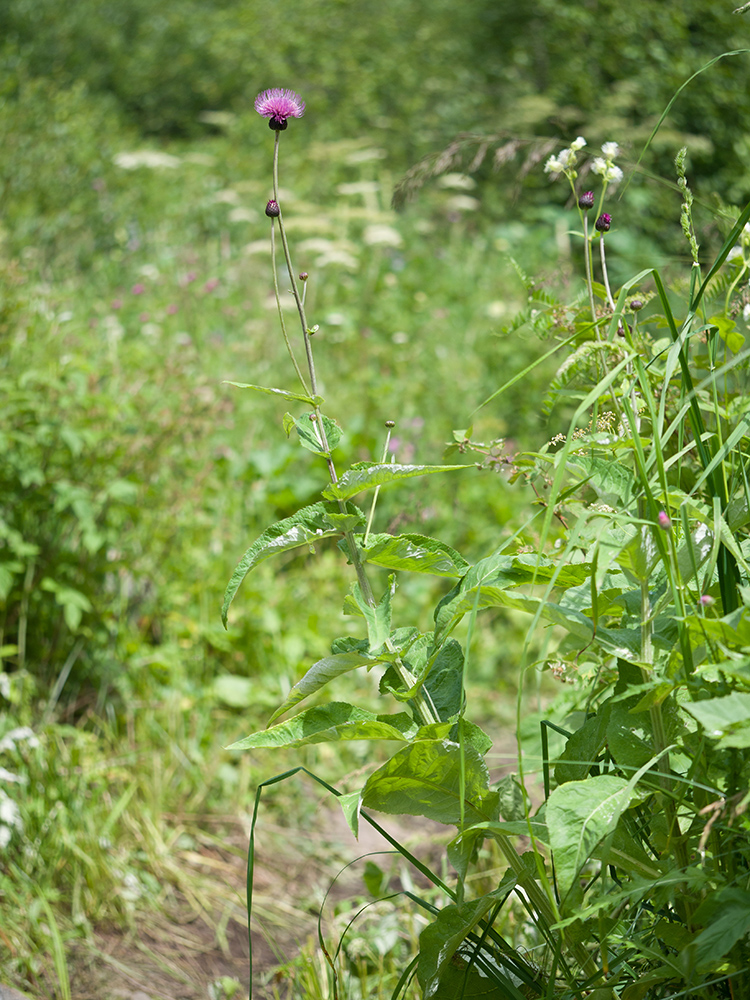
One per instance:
(16,735)
(610,150)
(606,170)
(554,166)
(578,143)
(567,157)
(746,313)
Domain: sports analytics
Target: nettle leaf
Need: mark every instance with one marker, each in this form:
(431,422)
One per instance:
(580,814)
(726,720)
(424,779)
(368,475)
(727,916)
(308,429)
(309,525)
(332,723)
(414,553)
(614,484)
(320,674)
(284,393)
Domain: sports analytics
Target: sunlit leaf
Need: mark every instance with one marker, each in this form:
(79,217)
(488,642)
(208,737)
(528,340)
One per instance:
(332,723)
(368,475)
(309,525)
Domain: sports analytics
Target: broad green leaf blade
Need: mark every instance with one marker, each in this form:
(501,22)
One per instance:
(284,393)
(441,973)
(727,916)
(310,437)
(580,814)
(368,475)
(319,675)
(726,720)
(332,723)
(415,554)
(614,484)
(309,525)
(424,779)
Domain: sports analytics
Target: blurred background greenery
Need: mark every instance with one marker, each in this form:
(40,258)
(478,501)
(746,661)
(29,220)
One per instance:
(135,278)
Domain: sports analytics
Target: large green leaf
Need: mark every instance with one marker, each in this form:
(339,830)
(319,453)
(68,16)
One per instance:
(424,779)
(319,675)
(726,720)
(309,525)
(368,475)
(613,483)
(727,918)
(414,553)
(308,430)
(283,393)
(583,748)
(580,814)
(331,724)
(442,973)
(499,574)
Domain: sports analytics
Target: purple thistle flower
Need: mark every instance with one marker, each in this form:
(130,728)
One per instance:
(277,105)
(603,223)
(272,209)
(586,201)
(664,520)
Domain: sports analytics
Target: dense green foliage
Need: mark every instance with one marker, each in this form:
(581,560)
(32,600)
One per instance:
(134,279)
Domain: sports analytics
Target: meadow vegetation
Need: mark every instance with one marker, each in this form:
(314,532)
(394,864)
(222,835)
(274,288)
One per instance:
(136,282)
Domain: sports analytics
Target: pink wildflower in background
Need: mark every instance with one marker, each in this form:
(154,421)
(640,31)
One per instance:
(116,304)
(277,105)
(138,289)
(664,521)
(171,309)
(189,278)
(211,285)
(144,317)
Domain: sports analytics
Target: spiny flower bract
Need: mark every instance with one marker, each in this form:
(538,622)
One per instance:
(279,104)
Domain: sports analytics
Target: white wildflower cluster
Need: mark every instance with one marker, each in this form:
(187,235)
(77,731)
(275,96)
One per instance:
(564,162)
(10,814)
(605,165)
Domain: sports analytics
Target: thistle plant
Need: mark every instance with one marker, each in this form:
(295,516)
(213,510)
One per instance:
(631,880)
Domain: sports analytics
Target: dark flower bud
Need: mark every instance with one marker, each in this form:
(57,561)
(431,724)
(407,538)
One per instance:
(273,211)
(277,124)
(390,424)
(603,223)
(586,201)
(637,304)
(303,276)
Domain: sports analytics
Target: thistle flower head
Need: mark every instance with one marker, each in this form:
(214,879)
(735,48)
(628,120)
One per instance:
(603,223)
(277,105)
(586,201)
(272,209)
